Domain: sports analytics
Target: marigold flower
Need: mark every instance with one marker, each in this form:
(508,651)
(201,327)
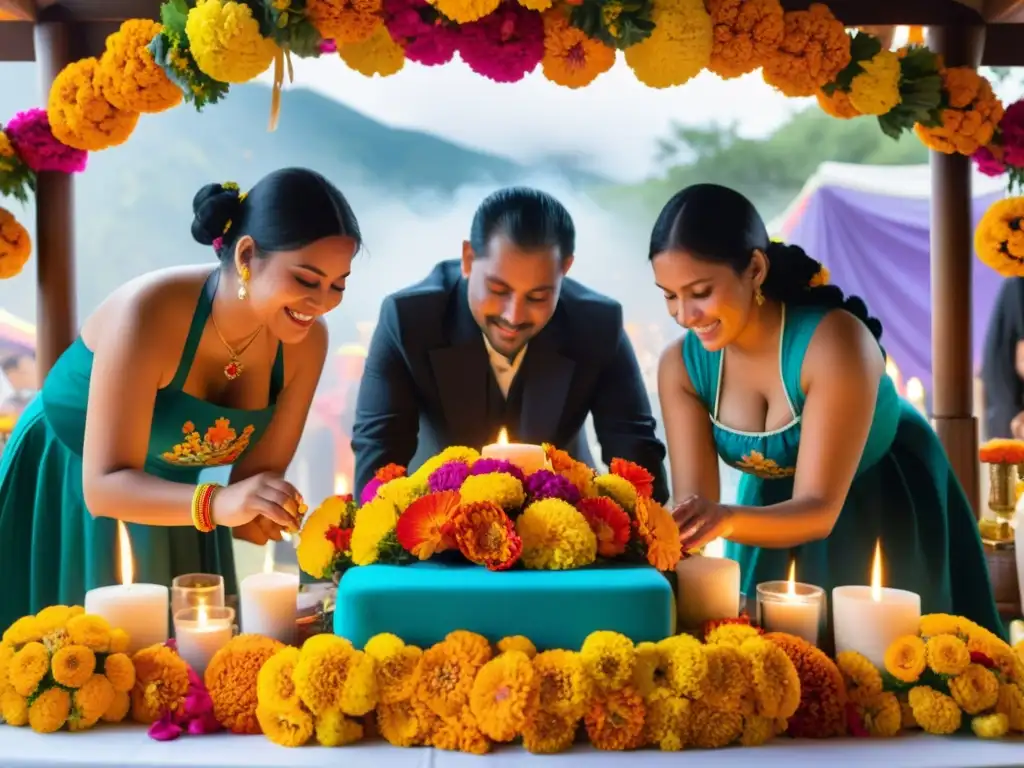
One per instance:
(287,726)
(496,487)
(161,683)
(80,115)
(91,631)
(504,695)
(49,710)
(667,720)
(231,679)
(906,658)
(1011,704)
(615,719)
(935,712)
(54,617)
(609,659)
(947,655)
(975,689)
(814,49)
(315,552)
(225,41)
(345,21)
(746,33)
(28,667)
(460,733)
(422,529)
(119,641)
(822,710)
(395,666)
(374,522)
(128,75)
(485,535)
(881,714)
(609,522)
(727,686)
(90,702)
(335,729)
(970,120)
(13,707)
(563,685)
(6,654)
(400,724)
(55,640)
(119,707)
(517,643)
(452,453)
(876,90)
(465,11)
(572,59)
(555,536)
(757,730)
(73,665)
(27,629)
(444,679)
(991,726)
(678,48)
(999,243)
(401,492)
(376,55)
(472,645)
(686,665)
(639,477)
(576,472)
(618,489)
(650,671)
(275,688)
(711,728)
(546,733)
(774,679)
(863,681)
(731,633)
(932,624)
(658,530)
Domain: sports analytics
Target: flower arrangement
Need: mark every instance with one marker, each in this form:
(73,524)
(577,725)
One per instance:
(999,238)
(173,700)
(15,245)
(492,514)
(969,116)
(64,668)
(1006,152)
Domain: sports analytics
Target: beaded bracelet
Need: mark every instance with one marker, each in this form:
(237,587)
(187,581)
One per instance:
(202,498)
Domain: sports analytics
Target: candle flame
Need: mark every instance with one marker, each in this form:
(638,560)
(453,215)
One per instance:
(341,485)
(791,579)
(124,553)
(876,573)
(202,619)
(503,437)
(268,558)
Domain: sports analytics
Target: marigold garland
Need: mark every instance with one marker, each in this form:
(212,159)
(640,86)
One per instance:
(376,55)
(746,34)
(814,49)
(823,698)
(345,21)
(129,77)
(226,42)
(678,49)
(80,116)
(970,118)
(572,59)
(15,245)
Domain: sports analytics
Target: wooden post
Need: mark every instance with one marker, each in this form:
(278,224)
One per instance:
(952,256)
(56,322)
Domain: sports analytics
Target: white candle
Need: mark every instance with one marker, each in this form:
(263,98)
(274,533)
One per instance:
(268,603)
(869,619)
(708,588)
(790,607)
(528,458)
(201,632)
(141,610)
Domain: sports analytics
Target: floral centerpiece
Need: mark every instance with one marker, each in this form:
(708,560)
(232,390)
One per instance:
(489,512)
(1005,460)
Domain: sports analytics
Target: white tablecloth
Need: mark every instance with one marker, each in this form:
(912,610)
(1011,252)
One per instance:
(129,746)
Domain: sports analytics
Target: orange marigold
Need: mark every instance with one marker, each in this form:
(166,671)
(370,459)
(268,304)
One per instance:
(837,105)
(814,49)
(444,679)
(128,75)
(389,472)
(485,535)
(1002,451)
(970,120)
(161,683)
(609,522)
(231,678)
(656,527)
(615,720)
(576,472)
(572,60)
(80,115)
(822,710)
(346,21)
(747,33)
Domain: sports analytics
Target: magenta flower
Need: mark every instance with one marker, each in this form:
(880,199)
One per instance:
(370,491)
(487,466)
(35,144)
(987,162)
(328,46)
(504,46)
(195,717)
(448,477)
(425,35)
(545,484)
(1011,130)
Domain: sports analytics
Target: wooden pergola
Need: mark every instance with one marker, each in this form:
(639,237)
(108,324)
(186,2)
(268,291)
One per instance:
(966,32)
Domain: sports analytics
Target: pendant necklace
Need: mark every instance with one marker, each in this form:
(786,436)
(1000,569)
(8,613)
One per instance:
(234,367)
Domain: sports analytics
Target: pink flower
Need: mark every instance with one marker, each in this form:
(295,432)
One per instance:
(988,161)
(424,33)
(35,144)
(328,46)
(195,718)
(1011,129)
(504,46)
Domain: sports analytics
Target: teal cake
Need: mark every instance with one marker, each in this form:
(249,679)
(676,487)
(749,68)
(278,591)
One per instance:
(422,603)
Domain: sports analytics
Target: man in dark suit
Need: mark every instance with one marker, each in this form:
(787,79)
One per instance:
(1003,363)
(503,339)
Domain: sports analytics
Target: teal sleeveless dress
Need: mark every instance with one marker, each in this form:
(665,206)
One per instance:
(904,493)
(51,548)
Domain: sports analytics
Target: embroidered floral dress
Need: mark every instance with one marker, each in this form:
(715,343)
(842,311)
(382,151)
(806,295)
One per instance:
(52,549)
(904,493)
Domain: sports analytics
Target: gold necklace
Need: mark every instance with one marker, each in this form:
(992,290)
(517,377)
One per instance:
(234,366)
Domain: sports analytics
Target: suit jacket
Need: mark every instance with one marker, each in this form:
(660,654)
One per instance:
(428,382)
(1004,392)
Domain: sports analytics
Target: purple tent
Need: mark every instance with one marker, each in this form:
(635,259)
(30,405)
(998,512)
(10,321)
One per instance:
(870,225)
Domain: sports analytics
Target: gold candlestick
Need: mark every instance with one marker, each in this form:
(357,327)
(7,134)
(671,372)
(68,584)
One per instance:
(997,531)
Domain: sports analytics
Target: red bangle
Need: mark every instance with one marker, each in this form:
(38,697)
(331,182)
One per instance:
(202,515)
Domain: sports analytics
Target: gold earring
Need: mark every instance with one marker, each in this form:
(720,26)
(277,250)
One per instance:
(243,279)
(758,296)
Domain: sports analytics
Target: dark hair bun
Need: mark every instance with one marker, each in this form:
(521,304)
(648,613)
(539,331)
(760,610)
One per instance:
(214,207)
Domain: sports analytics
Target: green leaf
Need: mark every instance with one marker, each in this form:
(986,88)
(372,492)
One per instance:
(197,88)
(862,48)
(173,15)
(630,22)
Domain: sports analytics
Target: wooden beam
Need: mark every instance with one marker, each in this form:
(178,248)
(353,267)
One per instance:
(859,13)
(17,10)
(1003,12)
(16,42)
(952,257)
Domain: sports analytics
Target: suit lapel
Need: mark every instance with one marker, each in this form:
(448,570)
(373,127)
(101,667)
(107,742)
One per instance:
(546,375)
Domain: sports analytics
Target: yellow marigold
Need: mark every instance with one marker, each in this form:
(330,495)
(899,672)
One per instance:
(28,667)
(572,59)
(757,730)
(932,624)
(286,726)
(161,683)
(555,536)
(56,640)
(496,487)
(376,55)
(119,707)
(517,643)
(991,726)
(54,617)
(650,671)
(686,665)
(73,665)
(609,659)
(225,41)
(546,733)
(275,688)
(881,714)
(231,680)
(746,34)
(401,492)
(452,453)
(465,11)
(728,680)
(563,686)
(814,49)
(471,645)
(822,710)
(400,724)
(91,631)
(119,641)
(678,48)
(315,552)
(863,680)
(774,679)
(504,695)
(970,120)
(49,710)
(618,489)
(374,521)
(6,654)
(615,719)
(15,249)
(667,721)
(713,729)
(731,634)
(935,712)
(1011,704)
(947,655)
(13,707)
(906,658)
(876,90)
(395,665)
(80,115)
(537,5)
(444,679)
(120,671)
(335,729)
(127,74)
(659,533)
(359,695)
(345,21)
(459,733)
(27,629)
(319,676)
(975,689)
(90,702)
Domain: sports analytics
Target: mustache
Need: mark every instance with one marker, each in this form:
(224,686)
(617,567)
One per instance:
(509,326)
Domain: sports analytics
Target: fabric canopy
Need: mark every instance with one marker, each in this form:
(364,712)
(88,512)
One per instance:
(870,226)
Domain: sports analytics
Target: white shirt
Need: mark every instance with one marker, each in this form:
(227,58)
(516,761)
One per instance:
(504,369)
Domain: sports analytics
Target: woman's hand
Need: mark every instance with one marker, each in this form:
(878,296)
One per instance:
(700,521)
(265,495)
(258,531)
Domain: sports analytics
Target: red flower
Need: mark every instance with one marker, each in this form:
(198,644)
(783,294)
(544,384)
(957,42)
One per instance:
(641,479)
(421,529)
(609,522)
(390,472)
(977,657)
(854,722)
(341,538)
(485,535)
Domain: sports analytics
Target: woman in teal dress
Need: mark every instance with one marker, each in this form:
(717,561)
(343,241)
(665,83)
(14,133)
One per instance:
(783,377)
(177,371)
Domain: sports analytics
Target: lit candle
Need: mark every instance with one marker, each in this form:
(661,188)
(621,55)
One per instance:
(201,632)
(141,610)
(869,619)
(269,603)
(708,588)
(791,607)
(528,458)
(342,486)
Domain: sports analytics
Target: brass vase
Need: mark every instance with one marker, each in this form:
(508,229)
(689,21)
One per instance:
(997,530)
